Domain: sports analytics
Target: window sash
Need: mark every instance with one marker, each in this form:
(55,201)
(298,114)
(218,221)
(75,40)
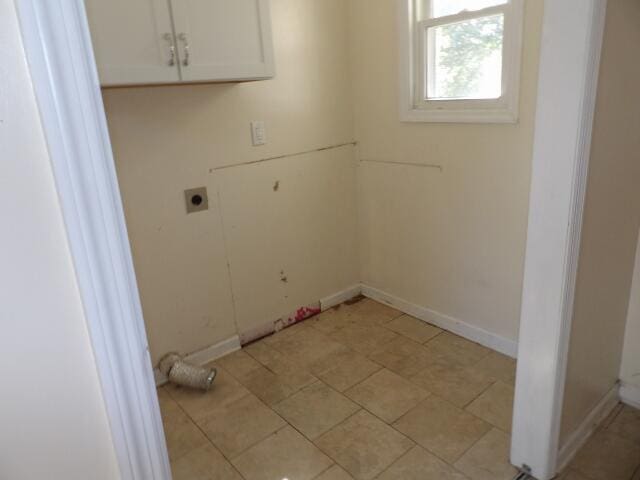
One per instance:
(463,16)
(425,59)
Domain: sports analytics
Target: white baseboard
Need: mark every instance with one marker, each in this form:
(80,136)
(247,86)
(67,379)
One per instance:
(204,356)
(340,297)
(470,332)
(630,394)
(582,434)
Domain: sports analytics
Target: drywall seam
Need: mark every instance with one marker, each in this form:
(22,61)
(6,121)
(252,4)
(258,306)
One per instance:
(495,342)
(406,164)
(287,155)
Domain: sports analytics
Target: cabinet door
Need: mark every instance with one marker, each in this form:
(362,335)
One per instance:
(223,39)
(133,41)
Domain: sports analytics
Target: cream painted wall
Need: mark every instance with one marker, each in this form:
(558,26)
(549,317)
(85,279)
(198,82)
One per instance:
(630,371)
(53,420)
(205,276)
(451,240)
(611,219)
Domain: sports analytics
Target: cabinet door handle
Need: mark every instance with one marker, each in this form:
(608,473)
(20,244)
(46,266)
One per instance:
(172,49)
(187,54)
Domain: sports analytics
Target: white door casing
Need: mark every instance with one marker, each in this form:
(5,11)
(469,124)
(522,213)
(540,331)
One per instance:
(65,79)
(569,66)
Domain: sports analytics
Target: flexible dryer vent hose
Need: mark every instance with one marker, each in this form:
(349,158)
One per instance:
(185,374)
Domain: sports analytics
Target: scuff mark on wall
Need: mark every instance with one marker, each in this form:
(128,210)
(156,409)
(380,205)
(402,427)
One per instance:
(269,328)
(276,186)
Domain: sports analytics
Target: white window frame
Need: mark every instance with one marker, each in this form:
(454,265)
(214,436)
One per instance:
(415,108)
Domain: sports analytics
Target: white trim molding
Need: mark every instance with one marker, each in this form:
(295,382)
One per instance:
(204,356)
(630,394)
(587,428)
(470,332)
(60,57)
(569,65)
(340,297)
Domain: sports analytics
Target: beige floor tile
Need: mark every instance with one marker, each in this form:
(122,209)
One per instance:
(285,454)
(238,363)
(334,473)
(387,395)
(307,346)
(488,459)
(372,312)
(316,409)
(459,385)
(225,389)
(236,426)
(363,339)
(607,457)
(442,428)
(495,406)
(404,357)
(182,435)
(413,328)
(332,320)
(571,475)
(364,445)
(627,424)
(456,349)
(285,334)
(281,365)
(418,464)
(344,369)
(204,463)
(498,366)
(267,386)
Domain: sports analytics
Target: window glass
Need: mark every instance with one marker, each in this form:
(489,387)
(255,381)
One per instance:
(466,59)
(441,8)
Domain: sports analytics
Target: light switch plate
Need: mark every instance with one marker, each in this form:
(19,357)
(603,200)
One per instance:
(197,199)
(258,133)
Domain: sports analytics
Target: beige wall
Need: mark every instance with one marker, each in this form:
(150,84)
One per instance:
(452,241)
(201,275)
(53,416)
(611,219)
(630,371)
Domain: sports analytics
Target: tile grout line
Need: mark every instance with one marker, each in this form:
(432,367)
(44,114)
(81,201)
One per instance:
(360,408)
(230,459)
(197,425)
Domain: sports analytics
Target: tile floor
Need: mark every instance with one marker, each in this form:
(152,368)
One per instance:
(613,453)
(364,392)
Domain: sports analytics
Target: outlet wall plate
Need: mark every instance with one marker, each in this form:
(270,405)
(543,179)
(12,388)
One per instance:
(196,199)
(258,133)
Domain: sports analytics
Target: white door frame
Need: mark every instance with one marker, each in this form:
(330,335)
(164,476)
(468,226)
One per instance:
(569,66)
(65,79)
(63,70)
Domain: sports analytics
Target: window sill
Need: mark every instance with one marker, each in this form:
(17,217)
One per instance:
(417,115)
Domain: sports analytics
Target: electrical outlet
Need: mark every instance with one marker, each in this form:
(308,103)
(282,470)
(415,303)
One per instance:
(258,133)
(197,199)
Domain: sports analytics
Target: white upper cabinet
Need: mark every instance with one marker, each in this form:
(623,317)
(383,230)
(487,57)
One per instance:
(223,39)
(133,41)
(174,41)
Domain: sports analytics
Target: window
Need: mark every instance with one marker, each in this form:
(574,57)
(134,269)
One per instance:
(461,60)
